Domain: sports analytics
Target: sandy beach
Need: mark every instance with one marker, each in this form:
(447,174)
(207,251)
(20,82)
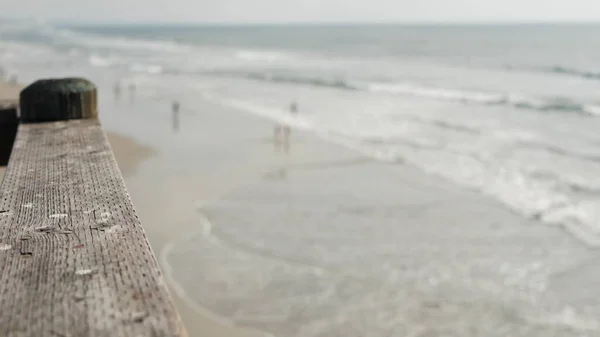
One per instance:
(9,92)
(323,241)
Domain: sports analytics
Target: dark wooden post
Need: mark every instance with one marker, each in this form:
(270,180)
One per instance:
(58,99)
(8,130)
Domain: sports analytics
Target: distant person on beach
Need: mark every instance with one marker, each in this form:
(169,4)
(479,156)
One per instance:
(175,110)
(2,73)
(287,130)
(283,132)
(294,108)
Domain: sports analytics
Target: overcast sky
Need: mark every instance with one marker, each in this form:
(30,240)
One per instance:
(303,10)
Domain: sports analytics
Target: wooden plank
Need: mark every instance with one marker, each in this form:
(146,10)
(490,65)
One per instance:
(74,259)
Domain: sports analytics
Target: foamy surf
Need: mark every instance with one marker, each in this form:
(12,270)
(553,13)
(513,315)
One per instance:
(98,61)
(552,200)
(466,96)
(261,55)
(592,109)
(438,93)
(146,68)
(377,281)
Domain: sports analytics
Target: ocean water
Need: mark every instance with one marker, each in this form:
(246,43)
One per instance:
(512,112)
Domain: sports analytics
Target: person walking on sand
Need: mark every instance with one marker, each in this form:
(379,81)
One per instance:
(294,108)
(175,110)
(287,130)
(283,131)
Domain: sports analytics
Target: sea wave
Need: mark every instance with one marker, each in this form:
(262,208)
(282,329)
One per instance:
(99,61)
(437,93)
(167,57)
(550,104)
(556,150)
(553,104)
(261,55)
(537,193)
(146,68)
(63,37)
(595,75)
(569,186)
(276,77)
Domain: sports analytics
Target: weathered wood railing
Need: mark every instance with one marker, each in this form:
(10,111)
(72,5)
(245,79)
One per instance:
(74,259)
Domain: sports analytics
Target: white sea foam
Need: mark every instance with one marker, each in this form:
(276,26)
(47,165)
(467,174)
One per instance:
(475,166)
(146,68)
(438,93)
(261,55)
(98,61)
(592,109)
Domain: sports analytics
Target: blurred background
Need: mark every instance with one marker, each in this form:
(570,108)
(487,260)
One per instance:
(348,169)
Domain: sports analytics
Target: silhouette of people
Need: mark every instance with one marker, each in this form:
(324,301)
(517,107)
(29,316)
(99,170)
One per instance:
(175,110)
(287,130)
(282,132)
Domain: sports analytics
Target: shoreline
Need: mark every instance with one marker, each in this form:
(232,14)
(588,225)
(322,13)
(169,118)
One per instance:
(181,296)
(508,241)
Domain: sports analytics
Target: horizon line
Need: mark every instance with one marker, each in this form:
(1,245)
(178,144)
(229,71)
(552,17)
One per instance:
(323,23)
(302,23)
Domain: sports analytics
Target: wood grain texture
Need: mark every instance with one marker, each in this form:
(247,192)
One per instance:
(74,259)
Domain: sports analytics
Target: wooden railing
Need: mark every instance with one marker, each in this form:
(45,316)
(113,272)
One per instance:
(74,258)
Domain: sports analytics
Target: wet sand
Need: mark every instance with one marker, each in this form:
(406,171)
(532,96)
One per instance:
(129,153)
(326,242)
(9,92)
